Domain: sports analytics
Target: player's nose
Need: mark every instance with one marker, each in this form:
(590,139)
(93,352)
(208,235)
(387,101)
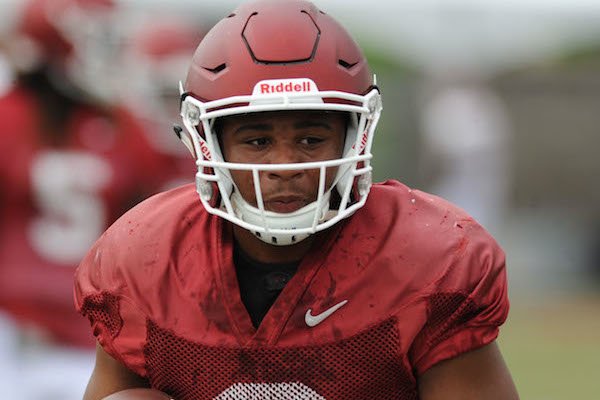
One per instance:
(285,153)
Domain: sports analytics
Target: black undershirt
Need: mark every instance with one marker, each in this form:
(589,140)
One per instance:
(260,283)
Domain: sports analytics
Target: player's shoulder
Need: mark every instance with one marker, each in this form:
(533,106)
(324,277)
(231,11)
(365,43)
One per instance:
(157,216)
(417,212)
(15,95)
(20,116)
(138,249)
(432,229)
(157,225)
(17,106)
(393,194)
(169,201)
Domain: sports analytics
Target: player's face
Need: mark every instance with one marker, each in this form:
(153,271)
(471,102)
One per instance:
(283,137)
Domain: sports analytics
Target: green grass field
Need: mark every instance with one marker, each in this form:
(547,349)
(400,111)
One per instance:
(552,347)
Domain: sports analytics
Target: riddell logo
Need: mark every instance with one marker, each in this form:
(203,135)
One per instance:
(285,86)
(204,149)
(363,141)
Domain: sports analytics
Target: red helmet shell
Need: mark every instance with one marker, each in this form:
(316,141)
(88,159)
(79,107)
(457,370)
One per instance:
(274,39)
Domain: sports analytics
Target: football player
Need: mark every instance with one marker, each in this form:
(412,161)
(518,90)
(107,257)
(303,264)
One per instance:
(72,162)
(293,276)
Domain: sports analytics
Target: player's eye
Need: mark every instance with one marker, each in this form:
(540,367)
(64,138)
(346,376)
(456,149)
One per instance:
(258,142)
(311,140)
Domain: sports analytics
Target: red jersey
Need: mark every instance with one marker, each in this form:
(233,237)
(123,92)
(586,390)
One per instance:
(406,282)
(58,194)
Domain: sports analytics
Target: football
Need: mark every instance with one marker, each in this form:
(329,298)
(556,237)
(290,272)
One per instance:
(138,394)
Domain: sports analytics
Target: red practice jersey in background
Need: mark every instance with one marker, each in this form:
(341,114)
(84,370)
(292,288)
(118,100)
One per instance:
(59,192)
(406,282)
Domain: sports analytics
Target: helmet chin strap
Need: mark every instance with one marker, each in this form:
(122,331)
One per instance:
(280,228)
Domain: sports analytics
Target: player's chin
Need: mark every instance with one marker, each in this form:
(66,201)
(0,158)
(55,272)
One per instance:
(138,394)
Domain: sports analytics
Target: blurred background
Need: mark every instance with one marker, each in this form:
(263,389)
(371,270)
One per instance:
(494,105)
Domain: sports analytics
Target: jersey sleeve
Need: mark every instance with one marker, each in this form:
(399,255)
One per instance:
(124,279)
(104,293)
(138,272)
(467,304)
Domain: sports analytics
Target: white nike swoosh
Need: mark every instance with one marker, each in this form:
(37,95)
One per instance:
(314,320)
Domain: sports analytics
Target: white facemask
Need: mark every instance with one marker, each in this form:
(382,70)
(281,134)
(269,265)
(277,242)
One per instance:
(352,182)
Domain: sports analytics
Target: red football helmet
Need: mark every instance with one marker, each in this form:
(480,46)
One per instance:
(279,55)
(75,38)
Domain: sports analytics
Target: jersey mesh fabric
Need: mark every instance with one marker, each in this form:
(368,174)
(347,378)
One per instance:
(104,308)
(367,361)
(447,312)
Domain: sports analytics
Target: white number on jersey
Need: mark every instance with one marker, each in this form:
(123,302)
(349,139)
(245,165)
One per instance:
(67,187)
(271,391)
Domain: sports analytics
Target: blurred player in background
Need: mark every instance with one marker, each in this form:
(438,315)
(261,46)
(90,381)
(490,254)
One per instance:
(72,161)
(293,276)
(155,57)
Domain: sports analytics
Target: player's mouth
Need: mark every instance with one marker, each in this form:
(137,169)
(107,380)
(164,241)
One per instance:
(285,204)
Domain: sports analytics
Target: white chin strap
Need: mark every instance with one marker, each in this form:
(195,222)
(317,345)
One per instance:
(281,229)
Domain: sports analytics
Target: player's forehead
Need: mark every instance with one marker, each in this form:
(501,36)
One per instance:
(298,118)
